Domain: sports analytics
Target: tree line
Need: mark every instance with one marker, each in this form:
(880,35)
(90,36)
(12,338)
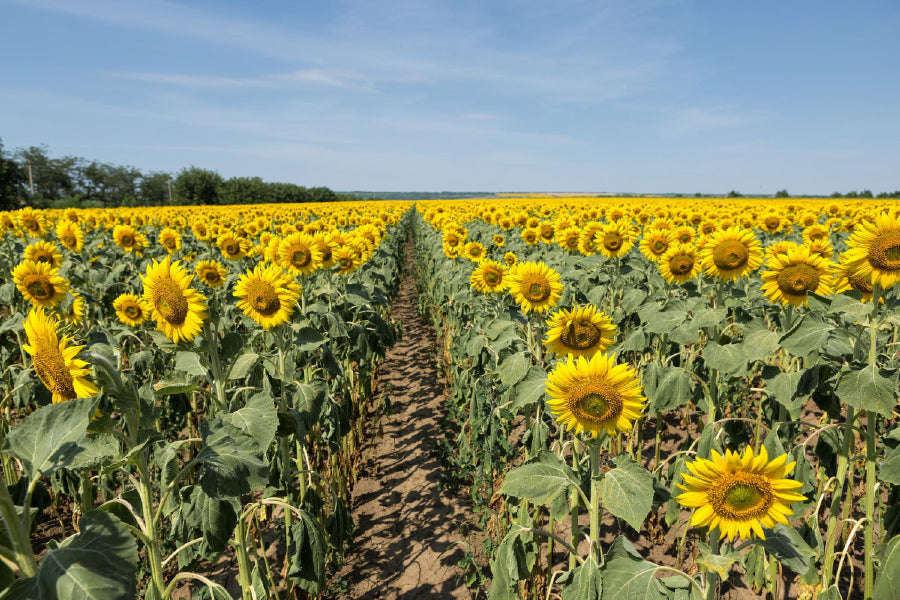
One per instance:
(31,177)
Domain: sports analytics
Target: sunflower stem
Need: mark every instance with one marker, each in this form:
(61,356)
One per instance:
(712,578)
(594,450)
(871,453)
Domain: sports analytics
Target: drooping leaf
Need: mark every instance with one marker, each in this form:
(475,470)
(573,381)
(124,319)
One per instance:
(540,480)
(190,363)
(514,368)
(626,575)
(887,580)
(52,437)
(869,388)
(242,365)
(890,468)
(98,562)
(531,389)
(627,491)
(231,461)
(673,391)
(728,359)
(807,335)
(307,554)
(587,582)
(788,547)
(258,418)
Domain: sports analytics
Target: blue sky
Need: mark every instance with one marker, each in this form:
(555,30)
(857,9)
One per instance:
(620,96)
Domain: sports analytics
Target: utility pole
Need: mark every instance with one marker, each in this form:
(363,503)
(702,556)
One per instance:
(30,178)
(170,191)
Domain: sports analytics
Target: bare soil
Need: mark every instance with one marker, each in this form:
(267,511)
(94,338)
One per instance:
(407,526)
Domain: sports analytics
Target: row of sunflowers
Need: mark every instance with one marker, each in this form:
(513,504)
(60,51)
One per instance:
(179,383)
(663,398)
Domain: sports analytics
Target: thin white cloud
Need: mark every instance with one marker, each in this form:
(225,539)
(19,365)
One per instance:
(706,119)
(293,79)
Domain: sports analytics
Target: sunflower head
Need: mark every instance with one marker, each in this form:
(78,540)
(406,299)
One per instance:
(740,494)
(583,331)
(535,286)
(656,242)
(614,239)
(178,309)
(489,277)
(44,252)
(510,259)
(731,253)
(267,295)
(595,395)
(300,254)
(531,235)
(40,283)
(873,250)
(170,240)
(130,309)
(55,362)
(232,246)
(792,276)
(211,272)
(679,264)
(474,251)
(70,235)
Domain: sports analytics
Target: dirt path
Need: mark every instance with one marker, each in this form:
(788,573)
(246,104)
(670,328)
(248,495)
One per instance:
(406,525)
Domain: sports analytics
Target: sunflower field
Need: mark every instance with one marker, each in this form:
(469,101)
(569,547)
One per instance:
(647,398)
(664,398)
(183,382)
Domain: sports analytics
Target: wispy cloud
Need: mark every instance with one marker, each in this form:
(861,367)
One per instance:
(707,119)
(293,79)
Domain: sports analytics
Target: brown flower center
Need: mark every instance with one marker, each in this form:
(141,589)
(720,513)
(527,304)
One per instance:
(595,401)
(612,242)
(580,334)
(263,298)
(731,255)
(884,253)
(681,264)
(169,300)
(40,289)
(741,496)
(51,368)
(798,279)
(300,258)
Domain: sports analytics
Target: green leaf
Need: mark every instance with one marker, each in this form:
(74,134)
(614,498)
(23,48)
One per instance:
(665,321)
(231,461)
(728,359)
(887,583)
(806,336)
(190,363)
(51,437)
(99,562)
(531,389)
(307,554)
(242,365)
(709,317)
(308,339)
(202,516)
(635,341)
(760,345)
(627,576)
(890,468)
(788,547)
(674,391)
(181,383)
(540,480)
(631,299)
(869,388)
(258,418)
(783,388)
(514,368)
(627,491)
(720,563)
(587,582)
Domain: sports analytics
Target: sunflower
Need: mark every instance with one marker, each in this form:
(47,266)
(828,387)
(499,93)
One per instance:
(74,312)
(178,309)
(846,280)
(40,283)
(583,331)
(33,222)
(130,309)
(510,259)
(780,247)
(595,395)
(474,251)
(731,253)
(299,254)
(70,235)
(531,235)
(233,247)
(873,250)
(267,295)
(128,239)
(170,240)
(535,286)
(738,494)
(498,240)
(55,362)
(614,240)
(771,222)
(489,276)
(346,260)
(569,238)
(326,248)
(44,252)
(656,242)
(685,234)
(211,272)
(679,264)
(547,231)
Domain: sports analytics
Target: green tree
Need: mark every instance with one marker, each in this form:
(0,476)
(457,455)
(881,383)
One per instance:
(197,186)
(243,190)
(735,194)
(10,181)
(782,194)
(53,177)
(154,189)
